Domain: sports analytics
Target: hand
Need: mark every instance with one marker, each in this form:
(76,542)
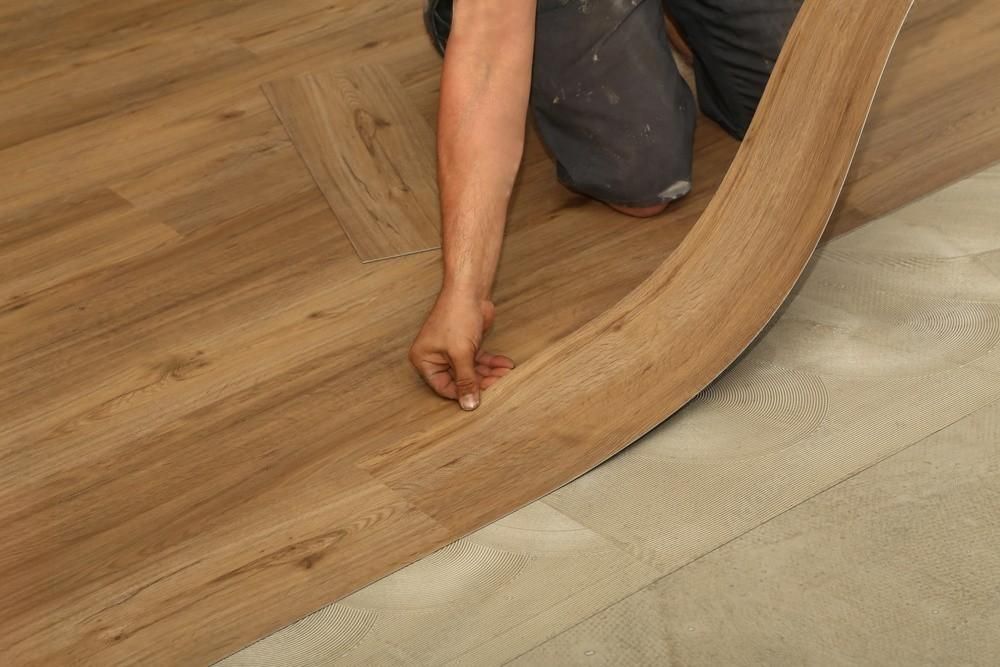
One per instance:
(447,351)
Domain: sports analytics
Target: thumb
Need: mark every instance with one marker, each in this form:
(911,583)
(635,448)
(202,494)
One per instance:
(466,380)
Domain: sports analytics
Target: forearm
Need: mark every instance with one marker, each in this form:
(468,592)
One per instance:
(484,97)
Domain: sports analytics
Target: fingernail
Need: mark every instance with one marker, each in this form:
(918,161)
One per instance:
(468,402)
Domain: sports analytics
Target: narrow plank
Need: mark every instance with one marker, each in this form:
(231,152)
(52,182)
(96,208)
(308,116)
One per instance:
(111,82)
(370,153)
(60,240)
(268,28)
(210,185)
(39,37)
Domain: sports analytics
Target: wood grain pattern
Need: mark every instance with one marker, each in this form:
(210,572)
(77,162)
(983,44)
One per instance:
(885,340)
(371,154)
(611,381)
(180,409)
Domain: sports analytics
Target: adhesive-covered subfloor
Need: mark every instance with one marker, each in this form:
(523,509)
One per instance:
(833,498)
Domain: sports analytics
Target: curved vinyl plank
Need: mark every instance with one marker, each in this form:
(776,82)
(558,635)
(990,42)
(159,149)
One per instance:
(584,399)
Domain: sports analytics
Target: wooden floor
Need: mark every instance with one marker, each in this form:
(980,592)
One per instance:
(193,357)
(369,151)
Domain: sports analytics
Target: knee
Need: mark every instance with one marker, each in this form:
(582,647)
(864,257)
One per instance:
(650,198)
(637,198)
(640,188)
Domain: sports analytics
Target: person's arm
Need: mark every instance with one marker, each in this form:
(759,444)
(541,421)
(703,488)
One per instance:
(481,120)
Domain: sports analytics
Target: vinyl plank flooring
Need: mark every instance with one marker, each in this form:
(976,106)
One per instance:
(116,80)
(265,29)
(77,234)
(114,148)
(142,314)
(39,37)
(171,589)
(116,140)
(210,185)
(370,153)
(303,347)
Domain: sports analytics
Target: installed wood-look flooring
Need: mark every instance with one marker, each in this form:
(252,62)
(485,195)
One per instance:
(193,358)
(371,154)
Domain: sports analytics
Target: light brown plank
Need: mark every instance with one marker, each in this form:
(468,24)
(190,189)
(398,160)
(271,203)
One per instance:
(118,79)
(599,389)
(210,185)
(62,239)
(371,154)
(935,122)
(173,591)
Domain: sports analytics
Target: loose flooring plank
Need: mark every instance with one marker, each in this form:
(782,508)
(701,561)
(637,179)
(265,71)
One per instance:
(602,387)
(371,154)
(922,103)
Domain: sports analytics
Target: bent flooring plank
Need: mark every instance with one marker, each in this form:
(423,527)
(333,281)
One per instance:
(600,388)
(921,111)
(370,152)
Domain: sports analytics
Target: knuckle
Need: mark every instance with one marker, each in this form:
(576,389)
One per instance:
(464,348)
(465,384)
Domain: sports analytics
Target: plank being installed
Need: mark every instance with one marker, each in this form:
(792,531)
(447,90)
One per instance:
(599,389)
(369,151)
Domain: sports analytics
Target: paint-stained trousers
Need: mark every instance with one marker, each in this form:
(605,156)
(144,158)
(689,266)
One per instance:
(608,100)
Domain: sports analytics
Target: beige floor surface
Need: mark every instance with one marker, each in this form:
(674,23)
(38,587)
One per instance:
(729,534)
(899,565)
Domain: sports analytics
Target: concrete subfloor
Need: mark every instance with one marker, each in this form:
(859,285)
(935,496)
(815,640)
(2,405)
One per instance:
(899,565)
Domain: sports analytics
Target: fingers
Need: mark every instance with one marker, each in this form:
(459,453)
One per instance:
(486,371)
(442,384)
(494,360)
(490,375)
(466,379)
(488,382)
(434,369)
(441,375)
